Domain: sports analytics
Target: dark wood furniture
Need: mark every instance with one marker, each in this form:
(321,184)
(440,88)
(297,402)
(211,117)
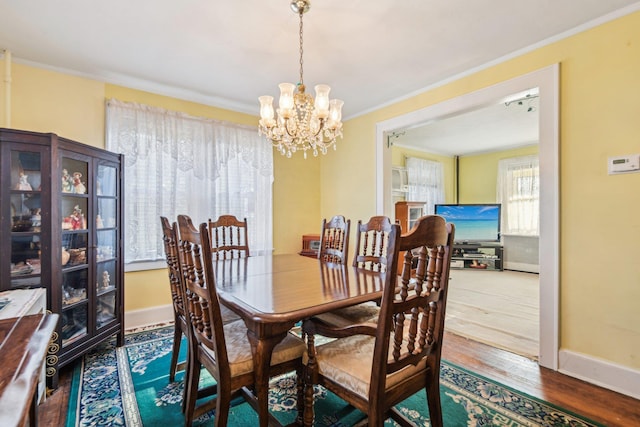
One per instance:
(334,240)
(407,213)
(229,237)
(170,240)
(478,256)
(223,349)
(23,348)
(376,366)
(170,237)
(371,244)
(310,245)
(60,228)
(25,302)
(272,293)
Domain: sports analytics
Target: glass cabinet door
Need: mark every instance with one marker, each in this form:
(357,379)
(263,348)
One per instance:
(26,219)
(106,241)
(414,214)
(74,205)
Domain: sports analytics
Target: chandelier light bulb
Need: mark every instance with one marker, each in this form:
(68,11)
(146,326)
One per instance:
(266,108)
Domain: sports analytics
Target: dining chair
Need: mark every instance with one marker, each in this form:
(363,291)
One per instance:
(371,242)
(334,240)
(170,240)
(229,237)
(375,366)
(222,349)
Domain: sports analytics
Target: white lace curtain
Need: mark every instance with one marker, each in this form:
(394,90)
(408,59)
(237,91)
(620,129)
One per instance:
(425,179)
(180,164)
(518,191)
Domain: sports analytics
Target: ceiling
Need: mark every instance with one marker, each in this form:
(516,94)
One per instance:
(506,123)
(227,53)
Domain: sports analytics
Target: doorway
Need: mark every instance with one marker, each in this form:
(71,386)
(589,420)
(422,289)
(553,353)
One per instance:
(546,80)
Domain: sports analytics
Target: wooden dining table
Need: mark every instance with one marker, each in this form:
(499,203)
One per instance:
(272,293)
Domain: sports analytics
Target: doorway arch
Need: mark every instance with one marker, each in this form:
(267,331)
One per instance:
(547,82)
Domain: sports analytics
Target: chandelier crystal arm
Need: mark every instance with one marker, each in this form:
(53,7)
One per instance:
(302,123)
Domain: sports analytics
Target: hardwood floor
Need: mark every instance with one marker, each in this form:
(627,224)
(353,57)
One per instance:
(599,404)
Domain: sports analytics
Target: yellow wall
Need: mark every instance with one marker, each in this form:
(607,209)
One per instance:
(479,174)
(73,107)
(46,101)
(599,229)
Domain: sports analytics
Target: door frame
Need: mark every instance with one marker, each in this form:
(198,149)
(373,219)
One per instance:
(547,80)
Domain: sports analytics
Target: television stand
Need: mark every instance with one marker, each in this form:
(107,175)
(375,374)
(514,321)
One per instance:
(477,256)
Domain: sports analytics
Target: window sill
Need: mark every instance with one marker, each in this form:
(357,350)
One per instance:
(144,265)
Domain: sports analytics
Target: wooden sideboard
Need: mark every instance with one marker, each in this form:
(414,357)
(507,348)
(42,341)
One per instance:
(25,302)
(23,348)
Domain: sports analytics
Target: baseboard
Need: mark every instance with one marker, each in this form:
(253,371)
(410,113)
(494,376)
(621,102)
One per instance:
(600,372)
(520,266)
(148,316)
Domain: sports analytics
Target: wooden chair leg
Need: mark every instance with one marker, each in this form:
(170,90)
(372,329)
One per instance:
(223,403)
(187,373)
(191,388)
(433,399)
(300,373)
(310,375)
(175,350)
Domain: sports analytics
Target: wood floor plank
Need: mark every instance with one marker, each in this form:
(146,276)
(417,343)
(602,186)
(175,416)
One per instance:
(597,403)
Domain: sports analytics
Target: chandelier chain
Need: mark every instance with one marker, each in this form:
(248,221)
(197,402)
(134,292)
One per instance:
(301,50)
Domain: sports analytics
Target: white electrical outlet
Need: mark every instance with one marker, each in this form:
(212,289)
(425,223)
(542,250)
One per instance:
(624,164)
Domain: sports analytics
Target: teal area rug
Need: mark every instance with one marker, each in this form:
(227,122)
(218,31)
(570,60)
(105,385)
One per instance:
(129,386)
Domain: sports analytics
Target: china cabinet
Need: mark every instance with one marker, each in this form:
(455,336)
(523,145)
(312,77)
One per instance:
(407,213)
(60,226)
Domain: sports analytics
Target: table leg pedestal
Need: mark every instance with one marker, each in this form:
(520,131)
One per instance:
(261,350)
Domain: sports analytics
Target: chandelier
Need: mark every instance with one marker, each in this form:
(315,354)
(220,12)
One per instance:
(301,123)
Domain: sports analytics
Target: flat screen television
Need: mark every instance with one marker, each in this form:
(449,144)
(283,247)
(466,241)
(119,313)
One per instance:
(474,222)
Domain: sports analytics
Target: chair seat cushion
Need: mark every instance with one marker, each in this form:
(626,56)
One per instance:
(239,349)
(347,361)
(366,312)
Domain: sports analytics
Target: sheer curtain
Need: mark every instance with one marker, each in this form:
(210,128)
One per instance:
(180,164)
(425,179)
(518,191)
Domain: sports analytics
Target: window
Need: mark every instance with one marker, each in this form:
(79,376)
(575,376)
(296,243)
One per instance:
(425,181)
(180,164)
(519,193)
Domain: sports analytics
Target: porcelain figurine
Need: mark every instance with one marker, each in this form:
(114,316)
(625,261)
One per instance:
(67,182)
(23,184)
(78,186)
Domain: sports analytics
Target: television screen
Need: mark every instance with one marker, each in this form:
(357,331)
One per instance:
(474,223)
